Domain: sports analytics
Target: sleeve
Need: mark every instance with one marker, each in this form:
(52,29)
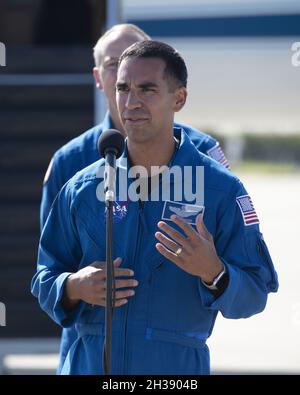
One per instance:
(52,184)
(206,144)
(59,255)
(241,247)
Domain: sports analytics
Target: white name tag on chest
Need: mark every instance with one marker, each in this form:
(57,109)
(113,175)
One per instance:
(188,212)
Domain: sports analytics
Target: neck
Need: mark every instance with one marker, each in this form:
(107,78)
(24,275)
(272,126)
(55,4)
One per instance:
(117,123)
(152,153)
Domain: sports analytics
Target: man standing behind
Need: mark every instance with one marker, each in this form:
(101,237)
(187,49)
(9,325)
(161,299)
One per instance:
(82,151)
(164,314)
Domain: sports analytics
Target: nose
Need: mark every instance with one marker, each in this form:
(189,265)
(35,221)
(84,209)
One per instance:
(133,101)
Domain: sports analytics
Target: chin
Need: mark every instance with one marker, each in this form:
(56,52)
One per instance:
(138,135)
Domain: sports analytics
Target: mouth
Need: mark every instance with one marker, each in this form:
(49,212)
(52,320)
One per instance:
(135,121)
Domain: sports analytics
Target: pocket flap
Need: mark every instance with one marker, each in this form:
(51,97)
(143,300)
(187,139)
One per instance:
(188,339)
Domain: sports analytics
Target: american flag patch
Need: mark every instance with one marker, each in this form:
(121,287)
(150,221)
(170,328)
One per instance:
(217,154)
(247,209)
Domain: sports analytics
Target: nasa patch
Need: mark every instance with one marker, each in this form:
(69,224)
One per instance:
(119,211)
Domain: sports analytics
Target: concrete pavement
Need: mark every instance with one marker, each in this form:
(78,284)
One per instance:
(270,341)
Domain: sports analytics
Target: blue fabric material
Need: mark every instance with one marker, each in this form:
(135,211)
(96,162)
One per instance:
(73,157)
(163,328)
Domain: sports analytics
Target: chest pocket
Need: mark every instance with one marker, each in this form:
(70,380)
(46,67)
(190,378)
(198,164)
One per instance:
(210,221)
(89,229)
(174,304)
(92,230)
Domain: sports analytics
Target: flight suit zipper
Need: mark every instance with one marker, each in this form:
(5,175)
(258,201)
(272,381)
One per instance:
(131,300)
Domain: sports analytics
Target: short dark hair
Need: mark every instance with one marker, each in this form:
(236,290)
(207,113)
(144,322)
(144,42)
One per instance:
(175,65)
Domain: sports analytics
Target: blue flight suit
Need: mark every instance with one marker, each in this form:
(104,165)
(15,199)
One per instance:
(164,327)
(81,152)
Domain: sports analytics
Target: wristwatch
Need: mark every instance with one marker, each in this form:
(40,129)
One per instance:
(214,285)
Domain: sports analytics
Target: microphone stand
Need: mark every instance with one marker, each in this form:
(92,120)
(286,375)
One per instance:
(110,289)
(110,145)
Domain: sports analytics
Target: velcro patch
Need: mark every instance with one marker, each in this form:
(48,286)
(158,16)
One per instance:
(188,212)
(247,209)
(217,154)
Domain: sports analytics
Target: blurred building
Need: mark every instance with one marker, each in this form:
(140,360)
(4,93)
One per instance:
(238,53)
(46,98)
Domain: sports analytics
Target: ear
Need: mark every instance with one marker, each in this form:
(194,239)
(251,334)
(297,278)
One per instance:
(97,78)
(180,98)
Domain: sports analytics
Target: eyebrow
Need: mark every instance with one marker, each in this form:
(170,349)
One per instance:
(145,84)
(109,60)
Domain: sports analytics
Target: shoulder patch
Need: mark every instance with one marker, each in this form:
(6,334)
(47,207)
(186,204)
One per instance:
(217,154)
(48,172)
(247,209)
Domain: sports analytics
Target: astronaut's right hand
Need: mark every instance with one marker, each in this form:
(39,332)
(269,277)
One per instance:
(89,285)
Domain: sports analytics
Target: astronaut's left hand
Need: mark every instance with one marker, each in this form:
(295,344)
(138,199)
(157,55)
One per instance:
(194,253)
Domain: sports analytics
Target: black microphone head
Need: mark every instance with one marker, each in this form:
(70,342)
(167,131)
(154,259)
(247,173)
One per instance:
(111,140)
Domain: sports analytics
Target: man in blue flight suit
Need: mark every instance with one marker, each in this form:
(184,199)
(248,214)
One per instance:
(173,275)
(82,151)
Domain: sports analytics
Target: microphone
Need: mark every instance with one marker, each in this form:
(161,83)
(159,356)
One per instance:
(110,146)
